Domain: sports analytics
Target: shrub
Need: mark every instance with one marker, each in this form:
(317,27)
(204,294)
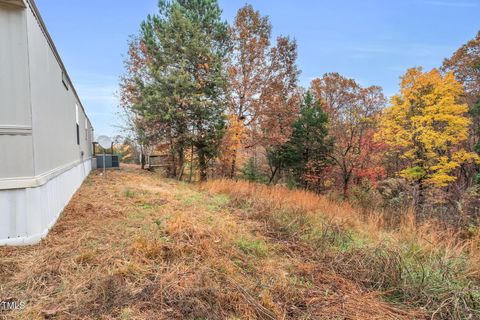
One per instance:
(251,172)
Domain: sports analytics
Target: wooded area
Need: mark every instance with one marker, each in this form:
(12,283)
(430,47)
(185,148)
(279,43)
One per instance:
(224,101)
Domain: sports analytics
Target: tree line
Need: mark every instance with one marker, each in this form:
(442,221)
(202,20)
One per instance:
(224,101)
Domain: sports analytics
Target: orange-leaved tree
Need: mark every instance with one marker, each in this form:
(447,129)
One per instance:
(263,91)
(465,65)
(247,74)
(280,95)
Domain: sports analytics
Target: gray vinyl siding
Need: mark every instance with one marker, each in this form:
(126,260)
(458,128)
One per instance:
(16,149)
(33,97)
(42,163)
(14,68)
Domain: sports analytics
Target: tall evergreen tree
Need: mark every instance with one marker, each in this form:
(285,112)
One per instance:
(183,87)
(305,153)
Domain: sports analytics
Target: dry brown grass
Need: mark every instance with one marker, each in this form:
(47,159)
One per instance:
(426,266)
(430,235)
(136,246)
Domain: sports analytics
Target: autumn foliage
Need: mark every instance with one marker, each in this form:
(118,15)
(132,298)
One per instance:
(225,100)
(426,124)
(353,117)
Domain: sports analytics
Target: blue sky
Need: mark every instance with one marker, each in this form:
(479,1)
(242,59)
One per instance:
(372,41)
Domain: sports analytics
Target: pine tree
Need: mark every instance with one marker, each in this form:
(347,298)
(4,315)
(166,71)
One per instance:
(183,88)
(305,153)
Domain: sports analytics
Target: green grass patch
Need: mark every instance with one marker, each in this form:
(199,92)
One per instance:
(252,247)
(217,202)
(190,198)
(410,275)
(246,266)
(128,193)
(145,206)
(300,281)
(211,203)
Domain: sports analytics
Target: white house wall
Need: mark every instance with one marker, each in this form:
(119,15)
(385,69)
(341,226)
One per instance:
(41,163)
(27,214)
(16,146)
(53,107)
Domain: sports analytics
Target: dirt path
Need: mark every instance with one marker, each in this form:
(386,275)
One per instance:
(136,246)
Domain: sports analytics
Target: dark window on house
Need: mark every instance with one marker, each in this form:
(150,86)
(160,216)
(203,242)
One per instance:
(65,80)
(78,126)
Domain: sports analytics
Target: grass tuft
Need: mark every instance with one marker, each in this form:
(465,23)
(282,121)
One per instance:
(252,247)
(128,193)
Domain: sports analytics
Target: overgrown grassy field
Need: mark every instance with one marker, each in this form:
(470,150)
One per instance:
(137,246)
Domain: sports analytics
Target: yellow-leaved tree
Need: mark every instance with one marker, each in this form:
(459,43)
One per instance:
(425,125)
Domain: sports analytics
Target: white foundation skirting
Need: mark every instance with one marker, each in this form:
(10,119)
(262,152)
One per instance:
(26,215)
